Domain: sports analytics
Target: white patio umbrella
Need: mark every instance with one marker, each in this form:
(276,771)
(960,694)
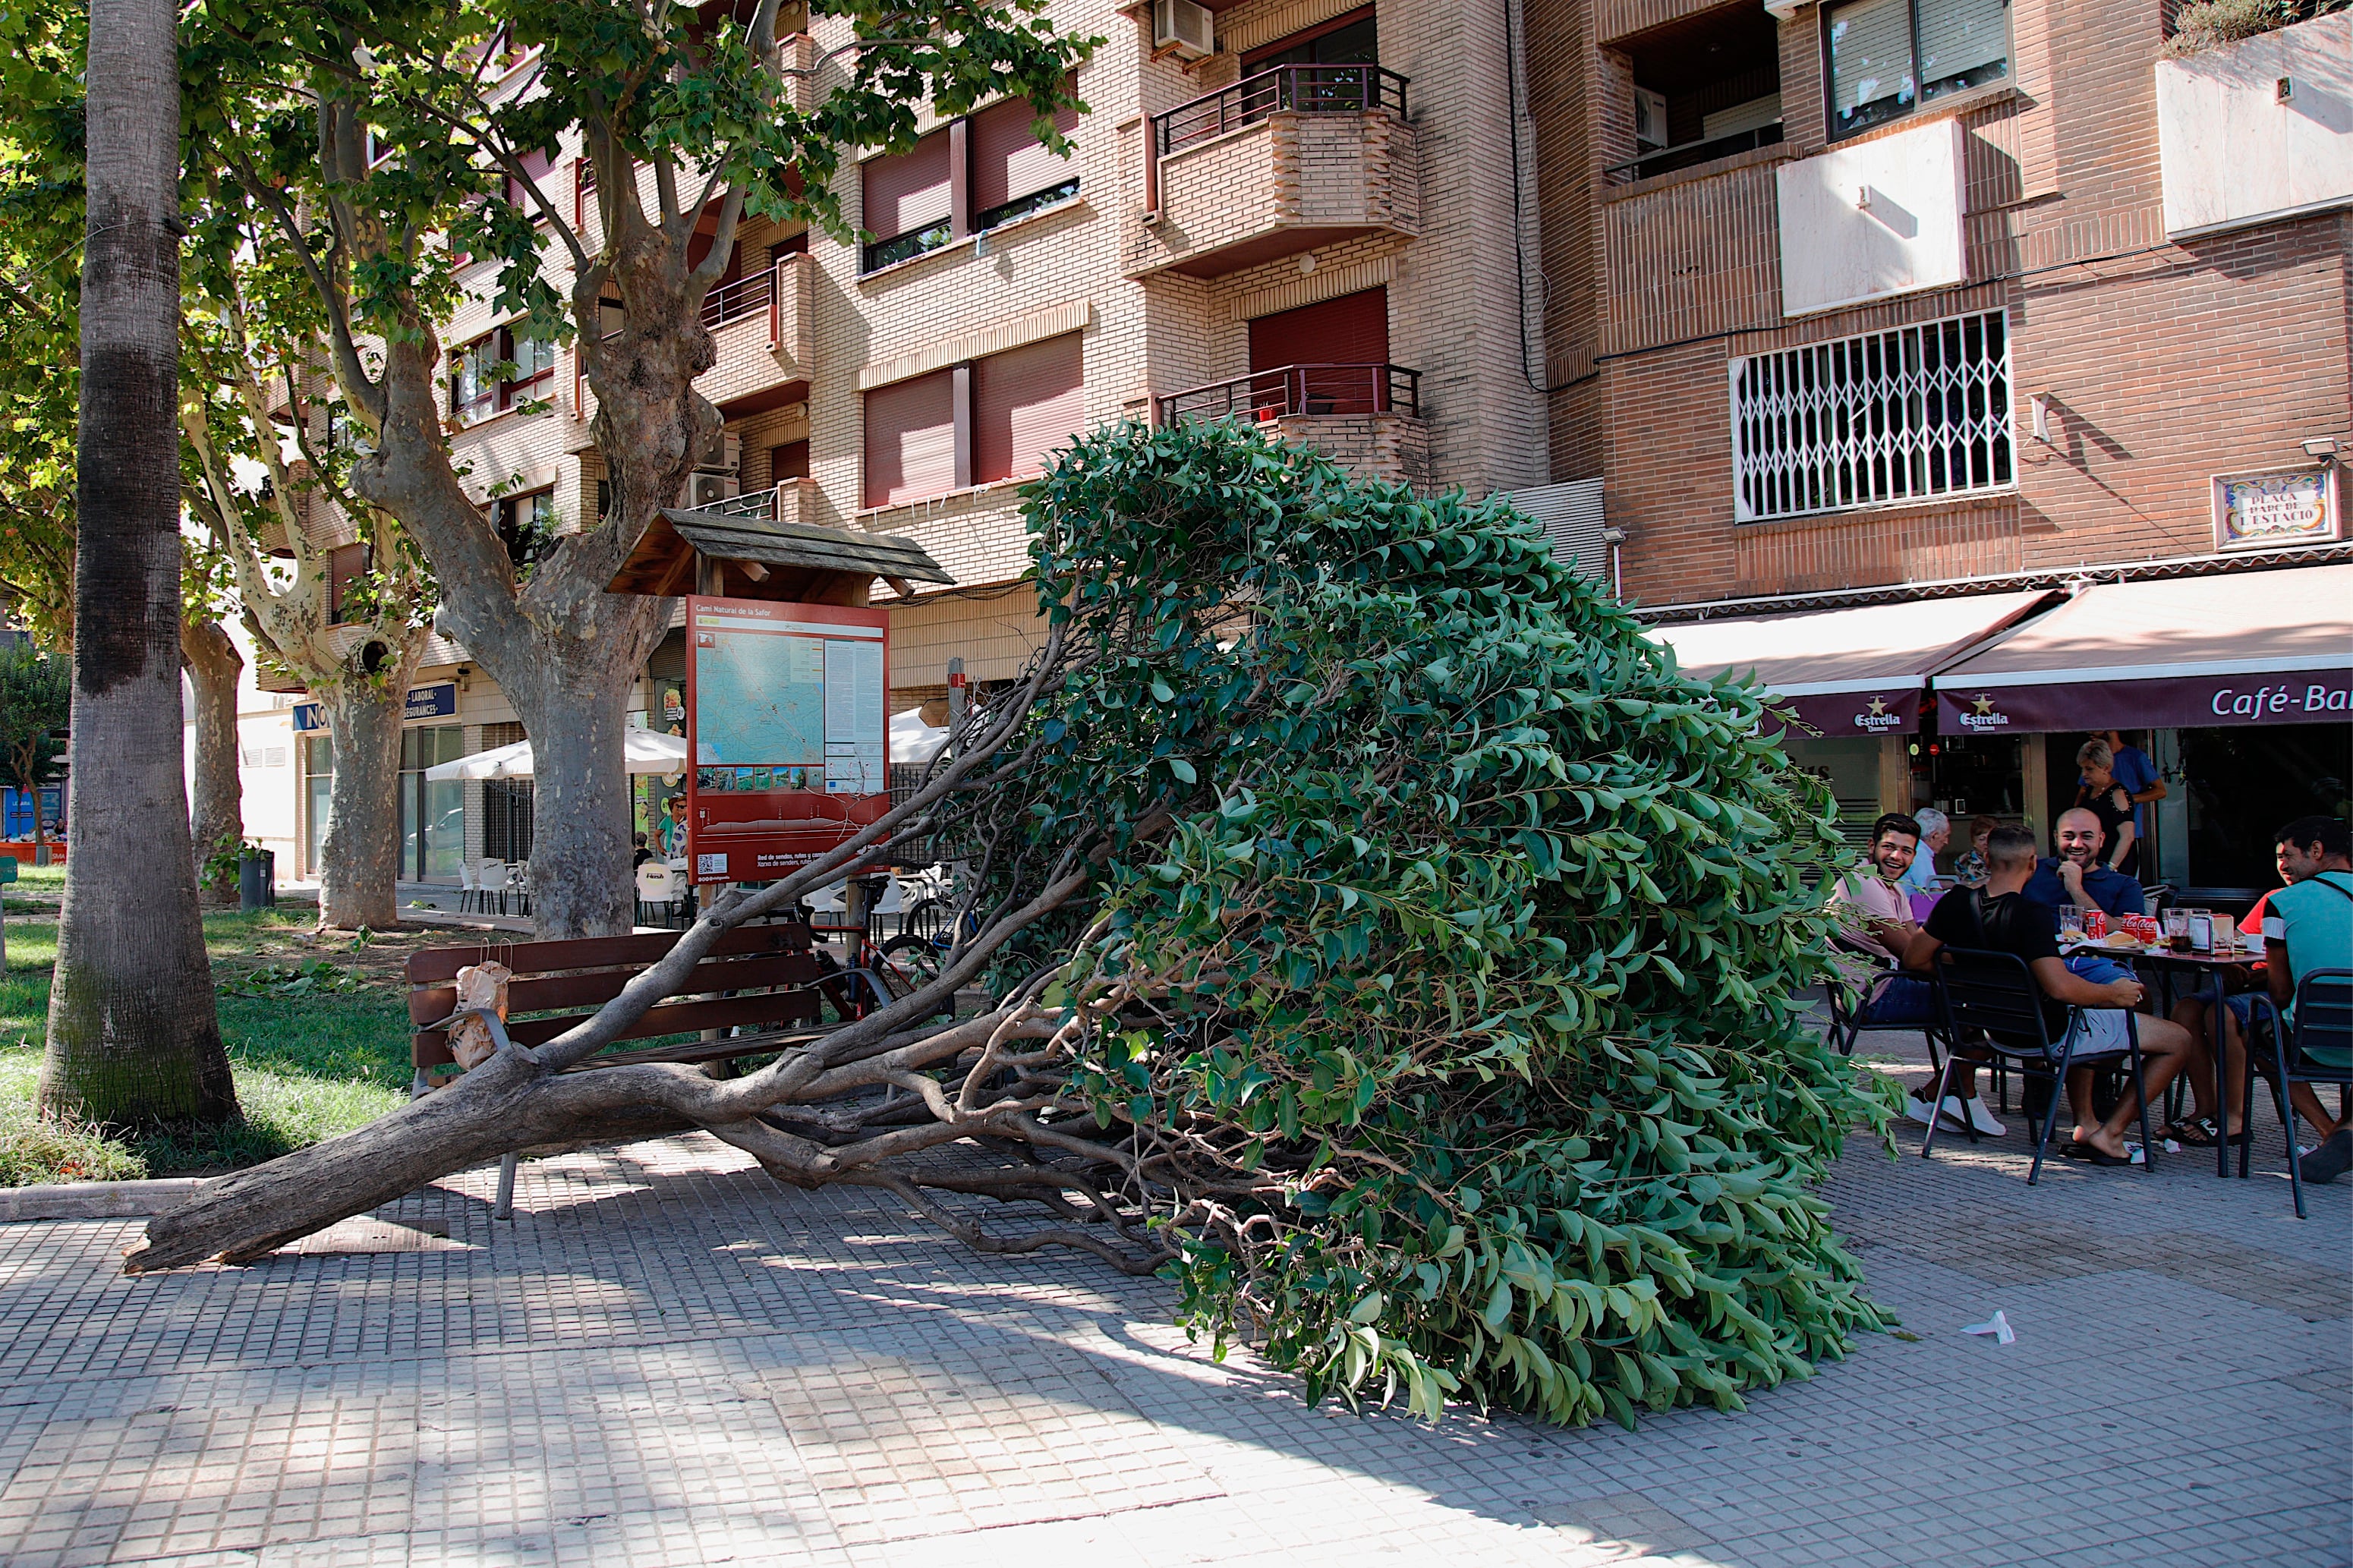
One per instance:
(913,741)
(647,751)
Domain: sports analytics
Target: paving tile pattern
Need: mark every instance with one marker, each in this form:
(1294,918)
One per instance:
(666,1359)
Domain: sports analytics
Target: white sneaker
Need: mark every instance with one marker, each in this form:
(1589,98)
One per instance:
(1916,1109)
(1982,1118)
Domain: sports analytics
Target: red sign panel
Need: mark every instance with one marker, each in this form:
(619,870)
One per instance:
(788,726)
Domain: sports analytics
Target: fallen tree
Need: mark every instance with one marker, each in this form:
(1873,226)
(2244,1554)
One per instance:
(1388,944)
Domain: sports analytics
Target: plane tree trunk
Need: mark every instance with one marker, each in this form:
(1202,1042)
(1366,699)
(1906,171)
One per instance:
(216,822)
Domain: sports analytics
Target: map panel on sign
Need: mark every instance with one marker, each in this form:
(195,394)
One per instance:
(763,700)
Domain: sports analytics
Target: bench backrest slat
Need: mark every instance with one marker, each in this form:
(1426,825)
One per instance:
(571,979)
(595,987)
(431,964)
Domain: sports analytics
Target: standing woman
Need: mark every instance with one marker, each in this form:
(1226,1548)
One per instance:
(2109,801)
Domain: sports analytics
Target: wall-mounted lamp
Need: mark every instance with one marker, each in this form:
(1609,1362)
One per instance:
(2041,407)
(2284,91)
(2321,447)
(1862,198)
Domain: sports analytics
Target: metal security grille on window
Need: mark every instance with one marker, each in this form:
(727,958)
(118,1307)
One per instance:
(1907,415)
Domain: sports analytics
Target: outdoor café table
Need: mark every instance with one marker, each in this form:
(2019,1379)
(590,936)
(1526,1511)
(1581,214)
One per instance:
(2208,970)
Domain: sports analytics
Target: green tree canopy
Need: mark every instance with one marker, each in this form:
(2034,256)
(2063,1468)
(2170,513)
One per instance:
(1456,940)
(35,700)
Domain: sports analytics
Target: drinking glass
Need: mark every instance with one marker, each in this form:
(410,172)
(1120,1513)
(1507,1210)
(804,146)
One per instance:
(2177,930)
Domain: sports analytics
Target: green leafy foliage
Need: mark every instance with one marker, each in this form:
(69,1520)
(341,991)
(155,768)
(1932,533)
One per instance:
(36,699)
(1462,935)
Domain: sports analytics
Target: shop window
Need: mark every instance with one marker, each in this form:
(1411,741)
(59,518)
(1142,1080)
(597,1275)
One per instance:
(318,793)
(1887,57)
(1907,415)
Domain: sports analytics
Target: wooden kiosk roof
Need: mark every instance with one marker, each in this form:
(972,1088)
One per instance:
(754,557)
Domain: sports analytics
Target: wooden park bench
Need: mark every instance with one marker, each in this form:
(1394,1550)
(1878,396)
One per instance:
(759,990)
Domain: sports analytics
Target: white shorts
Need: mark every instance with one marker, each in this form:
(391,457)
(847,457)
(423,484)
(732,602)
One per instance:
(2097,1032)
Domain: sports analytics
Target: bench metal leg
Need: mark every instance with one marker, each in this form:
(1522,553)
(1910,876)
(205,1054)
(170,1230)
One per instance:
(504,1207)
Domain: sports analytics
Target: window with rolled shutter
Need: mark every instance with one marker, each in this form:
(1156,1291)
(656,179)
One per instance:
(789,461)
(911,440)
(1351,330)
(909,200)
(1337,349)
(1024,403)
(344,564)
(1012,172)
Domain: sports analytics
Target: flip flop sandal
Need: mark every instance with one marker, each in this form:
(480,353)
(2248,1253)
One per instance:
(2195,1133)
(2092,1156)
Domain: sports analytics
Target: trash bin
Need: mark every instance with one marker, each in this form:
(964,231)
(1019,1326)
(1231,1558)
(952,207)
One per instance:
(257,880)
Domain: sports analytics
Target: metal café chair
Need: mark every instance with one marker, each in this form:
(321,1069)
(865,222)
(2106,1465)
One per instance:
(1995,994)
(2324,1021)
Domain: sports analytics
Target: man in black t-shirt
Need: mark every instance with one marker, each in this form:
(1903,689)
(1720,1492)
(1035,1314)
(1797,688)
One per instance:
(2000,918)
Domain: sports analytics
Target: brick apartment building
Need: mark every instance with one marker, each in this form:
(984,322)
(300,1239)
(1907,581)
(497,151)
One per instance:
(1302,211)
(1891,325)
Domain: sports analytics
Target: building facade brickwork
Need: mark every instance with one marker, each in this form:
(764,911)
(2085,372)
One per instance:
(2157,363)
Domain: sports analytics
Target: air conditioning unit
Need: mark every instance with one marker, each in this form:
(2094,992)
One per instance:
(1189,29)
(724,456)
(706,488)
(1649,118)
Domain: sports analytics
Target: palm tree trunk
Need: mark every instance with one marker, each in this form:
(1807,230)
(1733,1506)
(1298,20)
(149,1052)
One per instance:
(218,825)
(133,1037)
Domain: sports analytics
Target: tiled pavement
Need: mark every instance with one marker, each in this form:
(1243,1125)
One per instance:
(668,1359)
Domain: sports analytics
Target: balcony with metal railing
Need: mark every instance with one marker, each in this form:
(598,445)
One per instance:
(761,326)
(1365,417)
(1279,163)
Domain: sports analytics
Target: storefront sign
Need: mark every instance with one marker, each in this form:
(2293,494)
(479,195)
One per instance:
(438,701)
(1895,710)
(2264,511)
(787,723)
(2187,702)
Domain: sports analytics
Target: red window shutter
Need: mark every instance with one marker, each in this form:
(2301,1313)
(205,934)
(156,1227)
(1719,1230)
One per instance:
(911,440)
(343,565)
(1026,402)
(789,461)
(1008,162)
(535,164)
(908,191)
(1351,330)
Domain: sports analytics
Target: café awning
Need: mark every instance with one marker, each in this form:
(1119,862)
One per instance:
(2251,647)
(1848,672)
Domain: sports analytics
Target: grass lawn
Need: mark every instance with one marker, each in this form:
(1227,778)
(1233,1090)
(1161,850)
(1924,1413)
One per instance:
(317,1035)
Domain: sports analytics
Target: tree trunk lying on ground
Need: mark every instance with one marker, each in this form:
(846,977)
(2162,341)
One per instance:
(1388,944)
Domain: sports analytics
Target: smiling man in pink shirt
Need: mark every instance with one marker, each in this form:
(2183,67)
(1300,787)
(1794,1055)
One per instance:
(1871,905)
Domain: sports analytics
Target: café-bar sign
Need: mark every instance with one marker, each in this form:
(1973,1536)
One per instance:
(2267,512)
(2207,700)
